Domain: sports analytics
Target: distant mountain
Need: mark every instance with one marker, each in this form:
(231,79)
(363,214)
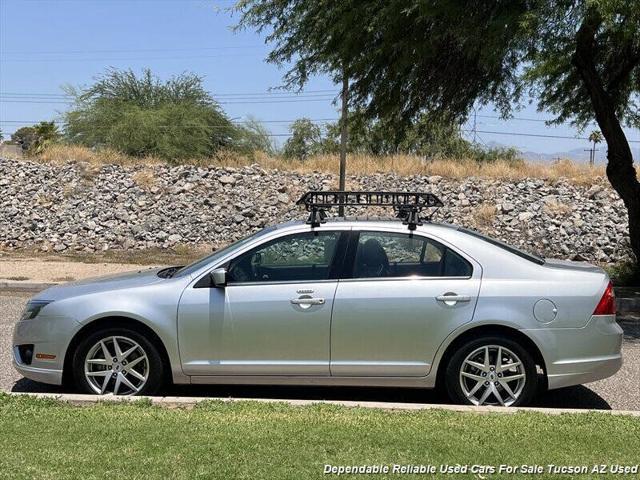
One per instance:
(577,154)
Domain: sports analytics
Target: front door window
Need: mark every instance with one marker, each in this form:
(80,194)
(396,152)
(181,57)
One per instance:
(300,257)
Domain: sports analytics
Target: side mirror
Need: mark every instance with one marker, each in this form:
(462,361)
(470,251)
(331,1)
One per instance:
(219,277)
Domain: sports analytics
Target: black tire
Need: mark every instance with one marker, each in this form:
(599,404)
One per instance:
(155,374)
(452,372)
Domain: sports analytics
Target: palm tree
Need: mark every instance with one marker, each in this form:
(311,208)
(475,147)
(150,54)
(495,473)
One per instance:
(595,137)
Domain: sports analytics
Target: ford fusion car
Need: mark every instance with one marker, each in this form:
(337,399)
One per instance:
(358,302)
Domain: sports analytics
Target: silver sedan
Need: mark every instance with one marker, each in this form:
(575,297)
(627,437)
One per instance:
(366,303)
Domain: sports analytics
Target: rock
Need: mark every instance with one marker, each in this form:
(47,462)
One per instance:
(507,207)
(227,180)
(108,210)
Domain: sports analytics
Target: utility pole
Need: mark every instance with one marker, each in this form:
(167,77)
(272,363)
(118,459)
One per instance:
(343,136)
(592,154)
(475,112)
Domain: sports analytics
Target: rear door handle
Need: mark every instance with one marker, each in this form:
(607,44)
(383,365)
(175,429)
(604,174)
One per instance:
(307,301)
(453,298)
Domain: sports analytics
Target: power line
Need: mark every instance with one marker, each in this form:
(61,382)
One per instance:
(232,102)
(118,59)
(266,94)
(525,119)
(224,102)
(130,50)
(327,93)
(538,135)
(317,120)
(325,96)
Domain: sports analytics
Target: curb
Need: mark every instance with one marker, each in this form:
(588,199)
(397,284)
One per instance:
(190,402)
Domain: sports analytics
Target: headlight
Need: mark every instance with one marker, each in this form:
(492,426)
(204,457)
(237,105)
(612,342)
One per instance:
(33,308)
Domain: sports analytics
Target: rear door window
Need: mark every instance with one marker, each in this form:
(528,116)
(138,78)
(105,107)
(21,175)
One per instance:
(393,255)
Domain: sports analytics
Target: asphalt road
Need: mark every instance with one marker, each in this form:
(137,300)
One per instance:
(620,392)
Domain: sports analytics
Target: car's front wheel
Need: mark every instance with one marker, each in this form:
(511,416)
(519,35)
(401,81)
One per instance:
(117,361)
(491,370)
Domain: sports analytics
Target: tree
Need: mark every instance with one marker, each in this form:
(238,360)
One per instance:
(579,58)
(140,115)
(46,133)
(429,136)
(35,138)
(24,137)
(305,140)
(253,137)
(595,137)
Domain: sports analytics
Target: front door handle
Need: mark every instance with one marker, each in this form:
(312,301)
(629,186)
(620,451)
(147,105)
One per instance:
(307,301)
(451,298)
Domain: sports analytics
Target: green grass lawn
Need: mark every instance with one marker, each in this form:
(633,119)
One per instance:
(49,439)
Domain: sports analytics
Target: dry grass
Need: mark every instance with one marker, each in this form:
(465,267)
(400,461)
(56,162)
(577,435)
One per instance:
(405,165)
(61,154)
(484,215)
(180,254)
(145,178)
(554,207)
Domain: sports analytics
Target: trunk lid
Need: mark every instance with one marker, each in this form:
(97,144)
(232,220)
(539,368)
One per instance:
(572,265)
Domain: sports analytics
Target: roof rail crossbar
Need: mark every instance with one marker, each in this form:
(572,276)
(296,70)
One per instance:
(407,205)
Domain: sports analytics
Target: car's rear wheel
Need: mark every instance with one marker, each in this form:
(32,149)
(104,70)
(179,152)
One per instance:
(491,370)
(117,361)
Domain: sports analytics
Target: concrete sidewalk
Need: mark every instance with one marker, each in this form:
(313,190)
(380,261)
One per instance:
(33,275)
(190,402)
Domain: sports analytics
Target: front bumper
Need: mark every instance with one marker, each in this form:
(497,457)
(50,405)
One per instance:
(574,356)
(50,336)
(51,376)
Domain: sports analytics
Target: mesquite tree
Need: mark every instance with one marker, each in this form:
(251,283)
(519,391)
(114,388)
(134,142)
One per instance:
(580,59)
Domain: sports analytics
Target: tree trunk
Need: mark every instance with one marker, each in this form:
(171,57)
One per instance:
(620,170)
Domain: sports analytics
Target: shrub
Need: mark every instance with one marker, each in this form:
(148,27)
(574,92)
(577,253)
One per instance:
(142,116)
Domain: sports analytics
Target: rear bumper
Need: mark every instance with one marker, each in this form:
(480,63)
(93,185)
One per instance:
(574,356)
(583,371)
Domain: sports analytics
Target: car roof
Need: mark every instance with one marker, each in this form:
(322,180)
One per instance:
(370,222)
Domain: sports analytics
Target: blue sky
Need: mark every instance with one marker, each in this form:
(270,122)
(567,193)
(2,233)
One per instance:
(45,44)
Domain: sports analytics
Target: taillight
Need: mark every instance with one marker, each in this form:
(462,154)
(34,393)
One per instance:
(607,304)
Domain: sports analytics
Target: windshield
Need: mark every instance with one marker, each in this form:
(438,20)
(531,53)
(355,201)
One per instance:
(516,251)
(189,269)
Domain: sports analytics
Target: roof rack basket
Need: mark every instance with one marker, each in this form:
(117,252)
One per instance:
(407,205)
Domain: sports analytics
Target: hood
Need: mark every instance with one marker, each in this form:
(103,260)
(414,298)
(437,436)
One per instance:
(104,283)
(572,265)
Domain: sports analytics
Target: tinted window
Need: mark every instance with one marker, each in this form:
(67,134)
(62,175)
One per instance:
(302,257)
(383,254)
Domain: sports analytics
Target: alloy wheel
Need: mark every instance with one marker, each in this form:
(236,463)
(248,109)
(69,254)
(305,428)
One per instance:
(492,375)
(116,365)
